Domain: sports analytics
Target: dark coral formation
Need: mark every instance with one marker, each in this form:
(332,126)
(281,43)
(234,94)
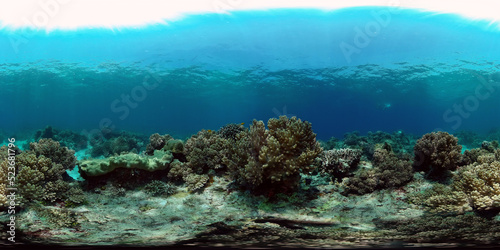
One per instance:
(204,153)
(437,154)
(230,131)
(271,160)
(166,143)
(157,142)
(159,188)
(115,144)
(339,163)
(389,171)
(399,142)
(66,138)
(55,152)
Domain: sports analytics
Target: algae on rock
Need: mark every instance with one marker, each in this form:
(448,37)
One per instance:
(160,160)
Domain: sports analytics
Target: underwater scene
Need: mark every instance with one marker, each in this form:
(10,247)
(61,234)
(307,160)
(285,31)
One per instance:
(359,127)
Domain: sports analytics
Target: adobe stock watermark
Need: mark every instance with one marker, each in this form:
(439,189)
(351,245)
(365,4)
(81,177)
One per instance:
(123,105)
(285,113)
(223,6)
(363,36)
(39,19)
(471,103)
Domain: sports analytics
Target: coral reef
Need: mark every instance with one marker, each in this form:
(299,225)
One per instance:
(330,144)
(468,138)
(436,154)
(399,141)
(115,144)
(272,160)
(389,171)
(157,142)
(164,142)
(95,167)
(339,163)
(159,188)
(204,151)
(475,187)
(480,183)
(4,165)
(39,179)
(67,138)
(55,152)
(195,182)
(230,131)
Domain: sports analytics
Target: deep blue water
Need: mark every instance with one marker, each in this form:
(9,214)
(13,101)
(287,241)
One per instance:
(364,69)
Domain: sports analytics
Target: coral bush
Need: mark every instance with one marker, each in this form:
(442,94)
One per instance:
(195,182)
(339,163)
(4,165)
(159,188)
(481,185)
(436,154)
(204,151)
(157,142)
(38,178)
(53,150)
(230,131)
(164,142)
(4,170)
(272,160)
(475,187)
(389,171)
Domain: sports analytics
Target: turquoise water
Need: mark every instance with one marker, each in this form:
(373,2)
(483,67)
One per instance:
(362,69)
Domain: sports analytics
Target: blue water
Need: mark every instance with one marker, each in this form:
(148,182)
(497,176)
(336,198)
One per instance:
(364,69)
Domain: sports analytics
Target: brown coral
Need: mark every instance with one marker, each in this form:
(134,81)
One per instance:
(338,163)
(389,171)
(436,154)
(53,150)
(475,187)
(39,179)
(204,151)
(273,159)
(157,142)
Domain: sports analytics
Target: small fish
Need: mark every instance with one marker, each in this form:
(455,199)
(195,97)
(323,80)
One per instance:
(209,131)
(242,123)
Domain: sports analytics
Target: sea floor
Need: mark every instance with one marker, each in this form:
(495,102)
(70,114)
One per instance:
(318,217)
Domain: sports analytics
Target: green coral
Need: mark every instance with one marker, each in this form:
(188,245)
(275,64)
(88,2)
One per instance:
(95,167)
